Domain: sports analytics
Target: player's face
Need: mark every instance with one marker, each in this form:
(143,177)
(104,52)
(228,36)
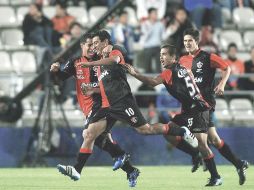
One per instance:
(87,48)
(166,59)
(190,44)
(98,45)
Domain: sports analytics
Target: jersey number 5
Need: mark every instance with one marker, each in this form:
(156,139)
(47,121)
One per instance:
(190,85)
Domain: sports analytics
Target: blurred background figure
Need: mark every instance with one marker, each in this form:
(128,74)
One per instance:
(152,34)
(167,106)
(175,28)
(123,34)
(236,65)
(143,7)
(207,40)
(248,83)
(62,20)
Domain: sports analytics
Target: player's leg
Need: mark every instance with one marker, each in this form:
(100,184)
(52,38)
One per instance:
(208,157)
(226,152)
(89,135)
(182,145)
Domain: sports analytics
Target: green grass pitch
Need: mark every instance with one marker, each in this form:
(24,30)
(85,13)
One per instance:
(103,178)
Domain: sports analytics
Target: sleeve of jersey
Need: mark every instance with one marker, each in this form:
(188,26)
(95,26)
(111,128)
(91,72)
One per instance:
(217,62)
(119,54)
(67,71)
(166,75)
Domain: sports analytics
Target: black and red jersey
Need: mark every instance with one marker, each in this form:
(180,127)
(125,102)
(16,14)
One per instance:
(84,77)
(180,84)
(113,81)
(203,66)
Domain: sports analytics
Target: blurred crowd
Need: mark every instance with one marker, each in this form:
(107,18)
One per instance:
(158,22)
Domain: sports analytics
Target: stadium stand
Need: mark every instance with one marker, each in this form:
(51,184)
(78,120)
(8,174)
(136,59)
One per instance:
(243,17)
(96,12)
(80,13)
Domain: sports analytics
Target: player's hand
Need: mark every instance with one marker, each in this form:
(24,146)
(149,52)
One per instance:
(87,90)
(106,51)
(55,67)
(132,70)
(219,89)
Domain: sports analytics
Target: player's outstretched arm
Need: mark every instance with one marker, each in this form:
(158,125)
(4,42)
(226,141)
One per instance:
(219,89)
(105,61)
(145,79)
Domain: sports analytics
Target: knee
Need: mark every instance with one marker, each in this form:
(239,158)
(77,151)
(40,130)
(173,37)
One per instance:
(216,141)
(87,135)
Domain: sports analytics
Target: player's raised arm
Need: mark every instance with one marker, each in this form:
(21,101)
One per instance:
(148,80)
(105,61)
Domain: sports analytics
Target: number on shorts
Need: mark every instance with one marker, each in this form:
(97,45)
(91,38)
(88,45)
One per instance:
(190,122)
(129,112)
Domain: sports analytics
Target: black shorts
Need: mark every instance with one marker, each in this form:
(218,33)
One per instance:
(125,110)
(195,120)
(89,117)
(211,119)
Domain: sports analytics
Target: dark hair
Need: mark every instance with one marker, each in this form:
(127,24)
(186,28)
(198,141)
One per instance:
(232,44)
(151,10)
(123,13)
(103,35)
(171,49)
(75,24)
(62,4)
(192,32)
(84,37)
(38,6)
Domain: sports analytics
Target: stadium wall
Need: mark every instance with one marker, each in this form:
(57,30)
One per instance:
(145,150)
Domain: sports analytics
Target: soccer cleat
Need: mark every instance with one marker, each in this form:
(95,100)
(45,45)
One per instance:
(190,138)
(132,177)
(196,162)
(69,171)
(242,172)
(214,182)
(119,161)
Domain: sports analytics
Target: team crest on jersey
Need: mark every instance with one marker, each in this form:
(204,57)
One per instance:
(181,73)
(134,119)
(199,64)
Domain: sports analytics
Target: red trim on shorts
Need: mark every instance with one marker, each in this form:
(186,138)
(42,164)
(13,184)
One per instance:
(114,142)
(85,150)
(221,144)
(209,157)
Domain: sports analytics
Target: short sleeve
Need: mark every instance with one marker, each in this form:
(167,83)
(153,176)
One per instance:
(117,53)
(217,62)
(166,75)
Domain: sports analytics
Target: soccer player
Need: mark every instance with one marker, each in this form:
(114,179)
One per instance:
(203,66)
(195,110)
(118,103)
(87,78)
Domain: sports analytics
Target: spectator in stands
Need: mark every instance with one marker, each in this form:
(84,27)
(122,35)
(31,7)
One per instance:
(207,43)
(207,11)
(152,33)
(62,20)
(37,28)
(148,101)
(248,83)
(143,7)
(176,27)
(75,32)
(233,4)
(164,102)
(236,65)
(123,34)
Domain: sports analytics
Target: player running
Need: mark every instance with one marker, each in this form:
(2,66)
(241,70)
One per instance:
(118,102)
(195,110)
(87,78)
(203,65)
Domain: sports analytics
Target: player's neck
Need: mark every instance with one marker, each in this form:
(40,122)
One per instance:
(194,52)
